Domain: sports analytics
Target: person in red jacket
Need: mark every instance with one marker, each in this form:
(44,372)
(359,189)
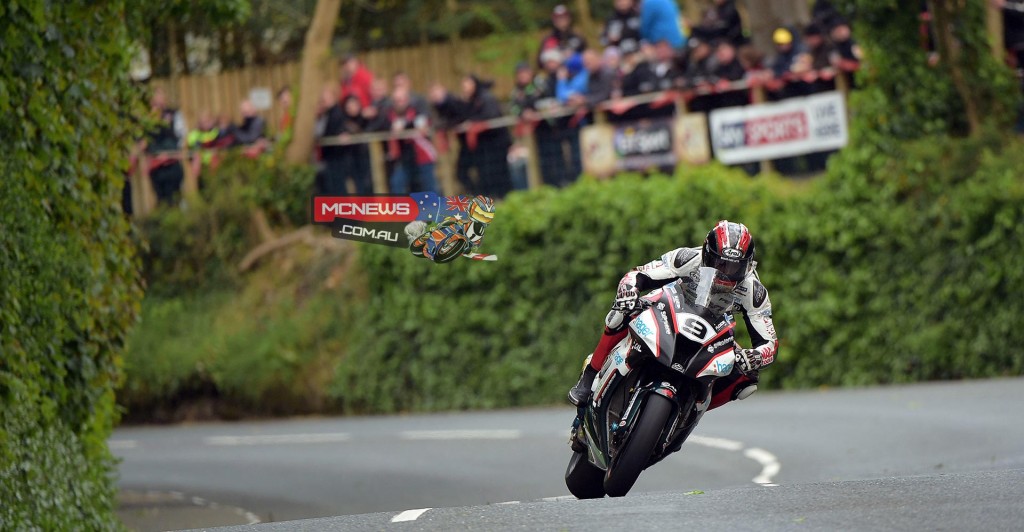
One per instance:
(414,157)
(356,80)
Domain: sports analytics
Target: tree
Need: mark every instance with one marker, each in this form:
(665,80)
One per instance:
(906,94)
(315,54)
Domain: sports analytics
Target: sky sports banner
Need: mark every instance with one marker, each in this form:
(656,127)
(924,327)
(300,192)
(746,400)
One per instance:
(795,126)
(431,226)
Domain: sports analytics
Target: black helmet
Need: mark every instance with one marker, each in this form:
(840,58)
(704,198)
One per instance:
(729,248)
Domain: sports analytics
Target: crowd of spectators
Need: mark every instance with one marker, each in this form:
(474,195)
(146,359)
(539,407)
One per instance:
(645,47)
(169,140)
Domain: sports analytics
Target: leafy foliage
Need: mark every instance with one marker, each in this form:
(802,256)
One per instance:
(887,270)
(69,288)
(903,96)
(199,245)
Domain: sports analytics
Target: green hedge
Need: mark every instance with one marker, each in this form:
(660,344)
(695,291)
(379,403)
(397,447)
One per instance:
(896,266)
(215,341)
(68,278)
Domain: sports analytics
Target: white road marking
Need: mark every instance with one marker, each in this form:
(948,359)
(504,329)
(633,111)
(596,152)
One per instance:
(122,444)
(769,465)
(718,443)
(409,515)
(559,498)
(278,439)
(509,502)
(461,434)
(199,501)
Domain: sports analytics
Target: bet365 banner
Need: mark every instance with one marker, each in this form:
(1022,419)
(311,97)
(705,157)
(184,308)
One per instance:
(439,228)
(795,126)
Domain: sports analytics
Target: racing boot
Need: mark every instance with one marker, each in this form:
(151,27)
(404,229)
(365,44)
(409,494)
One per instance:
(580,393)
(747,387)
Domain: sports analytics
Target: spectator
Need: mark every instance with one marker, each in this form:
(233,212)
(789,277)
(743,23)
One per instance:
(825,15)
(527,90)
(162,144)
(599,82)
(401,81)
(786,53)
(847,51)
(555,136)
(637,75)
(356,80)
(816,58)
(751,58)
(665,68)
(413,158)
(699,68)
(659,21)
(343,162)
(572,79)
(726,71)
(562,37)
(611,60)
(251,132)
(252,128)
(1013,40)
(721,22)
(622,29)
(201,141)
(1013,29)
(376,114)
(483,152)
(700,71)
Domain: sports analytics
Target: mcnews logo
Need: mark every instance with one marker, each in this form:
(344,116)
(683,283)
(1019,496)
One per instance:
(431,226)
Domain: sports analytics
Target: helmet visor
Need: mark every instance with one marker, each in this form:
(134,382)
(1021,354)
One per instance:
(730,269)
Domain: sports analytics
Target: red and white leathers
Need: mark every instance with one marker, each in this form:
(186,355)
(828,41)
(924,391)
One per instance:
(748,296)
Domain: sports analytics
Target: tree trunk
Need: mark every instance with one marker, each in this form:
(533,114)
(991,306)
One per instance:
(459,68)
(994,27)
(315,53)
(949,50)
(586,21)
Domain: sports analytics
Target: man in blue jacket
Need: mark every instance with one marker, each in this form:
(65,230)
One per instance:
(659,21)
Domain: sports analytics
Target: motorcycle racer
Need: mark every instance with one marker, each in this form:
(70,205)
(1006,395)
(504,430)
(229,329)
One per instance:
(729,249)
(452,237)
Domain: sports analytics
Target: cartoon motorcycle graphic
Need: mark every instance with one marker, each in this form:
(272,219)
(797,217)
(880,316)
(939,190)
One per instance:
(453,237)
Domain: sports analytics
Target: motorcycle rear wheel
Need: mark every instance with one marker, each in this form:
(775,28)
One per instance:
(636,453)
(584,480)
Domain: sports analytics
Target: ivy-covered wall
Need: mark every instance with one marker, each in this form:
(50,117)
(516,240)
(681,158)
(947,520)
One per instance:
(68,277)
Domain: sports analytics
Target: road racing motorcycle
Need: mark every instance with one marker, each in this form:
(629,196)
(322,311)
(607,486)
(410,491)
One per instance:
(652,391)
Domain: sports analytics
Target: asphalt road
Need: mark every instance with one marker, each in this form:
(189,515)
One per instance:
(945,454)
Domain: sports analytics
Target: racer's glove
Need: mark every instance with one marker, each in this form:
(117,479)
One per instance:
(627,297)
(747,360)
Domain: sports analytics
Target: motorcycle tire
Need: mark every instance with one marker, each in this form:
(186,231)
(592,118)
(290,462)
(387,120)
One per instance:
(584,480)
(636,453)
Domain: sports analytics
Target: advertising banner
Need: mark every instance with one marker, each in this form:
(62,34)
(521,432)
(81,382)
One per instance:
(644,144)
(795,126)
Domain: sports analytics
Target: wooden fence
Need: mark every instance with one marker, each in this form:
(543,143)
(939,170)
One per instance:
(444,62)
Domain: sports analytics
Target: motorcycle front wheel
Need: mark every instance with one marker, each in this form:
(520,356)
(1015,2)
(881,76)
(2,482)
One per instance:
(636,453)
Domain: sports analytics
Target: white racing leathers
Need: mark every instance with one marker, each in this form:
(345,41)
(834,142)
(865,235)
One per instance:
(748,296)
